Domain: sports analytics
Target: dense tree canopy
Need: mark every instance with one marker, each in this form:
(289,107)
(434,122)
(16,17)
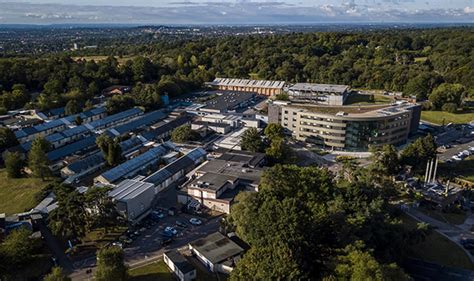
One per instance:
(183,134)
(416,61)
(301,219)
(252,141)
(38,161)
(110,265)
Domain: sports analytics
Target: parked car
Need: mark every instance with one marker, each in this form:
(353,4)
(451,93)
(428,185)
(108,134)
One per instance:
(457,158)
(171,230)
(156,215)
(166,241)
(117,244)
(195,221)
(181,224)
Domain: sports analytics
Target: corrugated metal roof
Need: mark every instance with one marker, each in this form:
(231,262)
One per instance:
(248,83)
(129,189)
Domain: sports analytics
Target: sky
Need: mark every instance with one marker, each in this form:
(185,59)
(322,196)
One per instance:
(234,11)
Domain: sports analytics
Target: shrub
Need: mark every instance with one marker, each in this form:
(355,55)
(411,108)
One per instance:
(450,107)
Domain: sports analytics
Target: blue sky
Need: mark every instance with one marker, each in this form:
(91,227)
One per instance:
(234,11)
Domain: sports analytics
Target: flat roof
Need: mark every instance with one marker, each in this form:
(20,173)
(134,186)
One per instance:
(216,247)
(212,181)
(247,83)
(179,261)
(326,88)
(229,168)
(228,100)
(356,111)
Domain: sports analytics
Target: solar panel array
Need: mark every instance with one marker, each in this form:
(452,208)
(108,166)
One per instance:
(148,158)
(113,119)
(72,148)
(183,163)
(145,120)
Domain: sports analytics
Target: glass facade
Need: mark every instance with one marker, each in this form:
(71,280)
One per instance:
(361,134)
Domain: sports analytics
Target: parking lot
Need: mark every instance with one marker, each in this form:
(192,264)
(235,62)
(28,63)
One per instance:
(454,150)
(148,243)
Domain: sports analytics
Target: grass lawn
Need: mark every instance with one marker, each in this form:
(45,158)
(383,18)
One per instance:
(421,59)
(462,169)
(154,271)
(97,238)
(448,217)
(354,99)
(437,248)
(121,60)
(18,195)
(440,117)
(159,271)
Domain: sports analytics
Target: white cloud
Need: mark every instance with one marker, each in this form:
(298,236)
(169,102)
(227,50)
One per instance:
(195,12)
(469,10)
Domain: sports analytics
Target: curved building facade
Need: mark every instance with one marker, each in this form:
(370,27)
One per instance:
(350,128)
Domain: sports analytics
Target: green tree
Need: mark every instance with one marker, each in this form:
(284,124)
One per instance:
(183,134)
(38,161)
(7,138)
(449,107)
(88,105)
(251,140)
(357,264)
(385,160)
(78,120)
(419,152)
(69,219)
(57,274)
(72,107)
(14,164)
(119,103)
(273,131)
(447,93)
(279,151)
(110,265)
(103,142)
(110,149)
(104,212)
(273,262)
(114,153)
(18,248)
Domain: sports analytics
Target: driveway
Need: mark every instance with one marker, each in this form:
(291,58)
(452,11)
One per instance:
(452,232)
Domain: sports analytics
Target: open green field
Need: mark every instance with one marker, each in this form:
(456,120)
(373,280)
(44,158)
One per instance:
(120,60)
(18,195)
(462,169)
(448,217)
(442,117)
(437,248)
(154,271)
(354,99)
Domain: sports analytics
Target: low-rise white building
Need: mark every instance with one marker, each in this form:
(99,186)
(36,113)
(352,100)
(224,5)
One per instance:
(179,265)
(217,252)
